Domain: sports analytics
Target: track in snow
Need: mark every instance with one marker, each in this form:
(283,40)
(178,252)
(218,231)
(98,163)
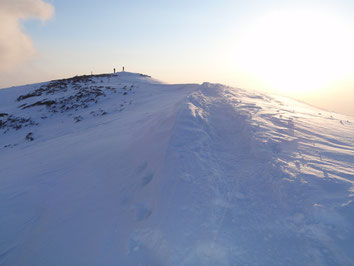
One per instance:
(184,175)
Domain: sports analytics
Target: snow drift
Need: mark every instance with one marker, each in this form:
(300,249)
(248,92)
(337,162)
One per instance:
(120,169)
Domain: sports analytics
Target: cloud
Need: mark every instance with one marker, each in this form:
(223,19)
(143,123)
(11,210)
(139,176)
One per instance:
(15,46)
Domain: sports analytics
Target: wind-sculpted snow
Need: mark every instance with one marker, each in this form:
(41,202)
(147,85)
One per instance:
(173,175)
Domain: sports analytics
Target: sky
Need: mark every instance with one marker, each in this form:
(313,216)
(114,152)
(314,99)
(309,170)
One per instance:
(299,49)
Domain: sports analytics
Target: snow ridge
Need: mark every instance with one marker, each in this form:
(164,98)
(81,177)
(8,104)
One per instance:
(125,170)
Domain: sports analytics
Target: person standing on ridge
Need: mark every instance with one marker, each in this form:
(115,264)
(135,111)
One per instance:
(114,70)
(123,69)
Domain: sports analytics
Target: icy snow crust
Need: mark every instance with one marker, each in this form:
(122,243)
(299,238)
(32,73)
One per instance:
(138,172)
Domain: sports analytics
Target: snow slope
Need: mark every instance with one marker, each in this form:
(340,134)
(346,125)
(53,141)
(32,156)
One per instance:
(125,170)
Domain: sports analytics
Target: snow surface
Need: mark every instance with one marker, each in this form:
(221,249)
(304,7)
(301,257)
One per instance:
(153,174)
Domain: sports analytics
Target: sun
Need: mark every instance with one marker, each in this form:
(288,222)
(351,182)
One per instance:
(297,51)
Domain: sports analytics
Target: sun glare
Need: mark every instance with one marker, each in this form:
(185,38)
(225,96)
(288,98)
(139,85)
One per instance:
(299,52)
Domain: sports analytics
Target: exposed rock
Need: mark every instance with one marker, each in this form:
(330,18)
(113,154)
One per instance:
(29,137)
(16,123)
(78,118)
(39,103)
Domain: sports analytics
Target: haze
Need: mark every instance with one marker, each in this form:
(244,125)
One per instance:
(299,49)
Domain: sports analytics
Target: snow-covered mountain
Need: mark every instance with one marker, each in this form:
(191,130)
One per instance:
(121,169)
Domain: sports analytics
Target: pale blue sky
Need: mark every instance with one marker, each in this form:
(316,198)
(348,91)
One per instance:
(175,41)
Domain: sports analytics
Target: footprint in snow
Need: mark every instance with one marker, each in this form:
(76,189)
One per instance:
(146,179)
(142,211)
(142,167)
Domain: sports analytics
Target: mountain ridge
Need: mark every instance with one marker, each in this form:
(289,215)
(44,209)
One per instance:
(183,174)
